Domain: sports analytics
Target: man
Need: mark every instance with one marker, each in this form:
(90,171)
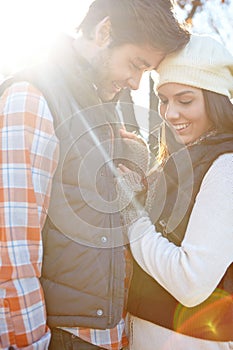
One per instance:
(63,105)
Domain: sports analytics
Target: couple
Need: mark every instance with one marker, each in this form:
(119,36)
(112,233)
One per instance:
(61,145)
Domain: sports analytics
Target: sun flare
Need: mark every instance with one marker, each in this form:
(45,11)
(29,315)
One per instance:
(27,27)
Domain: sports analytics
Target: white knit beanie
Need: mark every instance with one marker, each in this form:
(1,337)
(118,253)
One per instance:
(203,63)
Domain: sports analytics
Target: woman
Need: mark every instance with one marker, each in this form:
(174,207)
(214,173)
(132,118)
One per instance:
(181,296)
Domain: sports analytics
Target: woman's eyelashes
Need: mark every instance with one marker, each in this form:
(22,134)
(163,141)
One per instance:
(185,102)
(163,101)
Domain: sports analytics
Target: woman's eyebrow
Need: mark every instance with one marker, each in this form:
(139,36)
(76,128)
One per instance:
(184,92)
(181,93)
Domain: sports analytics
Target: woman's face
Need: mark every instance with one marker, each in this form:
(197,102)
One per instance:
(183,108)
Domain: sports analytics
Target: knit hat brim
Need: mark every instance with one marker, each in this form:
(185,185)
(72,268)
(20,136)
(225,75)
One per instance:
(204,63)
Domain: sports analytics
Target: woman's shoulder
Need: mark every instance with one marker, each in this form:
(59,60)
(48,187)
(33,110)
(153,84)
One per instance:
(221,170)
(224,161)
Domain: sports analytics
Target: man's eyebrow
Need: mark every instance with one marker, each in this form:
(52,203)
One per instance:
(142,61)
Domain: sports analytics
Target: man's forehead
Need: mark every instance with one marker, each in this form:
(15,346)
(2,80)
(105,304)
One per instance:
(144,55)
(152,61)
(150,57)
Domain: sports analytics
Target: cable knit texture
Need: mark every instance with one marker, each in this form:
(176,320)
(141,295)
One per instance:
(138,154)
(131,197)
(130,186)
(136,195)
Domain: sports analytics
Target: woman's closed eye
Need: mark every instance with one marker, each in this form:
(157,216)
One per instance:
(185,102)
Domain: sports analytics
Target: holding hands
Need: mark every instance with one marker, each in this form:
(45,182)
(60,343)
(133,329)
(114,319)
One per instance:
(136,191)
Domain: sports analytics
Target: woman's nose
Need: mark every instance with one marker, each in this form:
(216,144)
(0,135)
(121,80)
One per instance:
(172,112)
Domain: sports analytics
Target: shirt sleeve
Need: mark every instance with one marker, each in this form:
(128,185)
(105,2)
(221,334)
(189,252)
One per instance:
(28,158)
(192,271)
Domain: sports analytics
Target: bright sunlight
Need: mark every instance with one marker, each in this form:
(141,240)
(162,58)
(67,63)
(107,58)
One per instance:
(27,28)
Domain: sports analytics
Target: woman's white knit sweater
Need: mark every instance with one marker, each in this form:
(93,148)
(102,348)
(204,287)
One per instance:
(192,271)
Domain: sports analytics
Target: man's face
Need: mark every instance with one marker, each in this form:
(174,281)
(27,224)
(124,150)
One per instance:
(122,67)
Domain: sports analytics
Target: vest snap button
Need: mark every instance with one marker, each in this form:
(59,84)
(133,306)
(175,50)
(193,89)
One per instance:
(104,239)
(99,312)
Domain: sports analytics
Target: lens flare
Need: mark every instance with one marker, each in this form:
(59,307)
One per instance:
(211,320)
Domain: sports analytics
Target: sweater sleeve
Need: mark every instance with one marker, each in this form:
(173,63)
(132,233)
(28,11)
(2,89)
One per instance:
(192,271)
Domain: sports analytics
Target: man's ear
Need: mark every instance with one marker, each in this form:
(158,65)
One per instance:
(103,32)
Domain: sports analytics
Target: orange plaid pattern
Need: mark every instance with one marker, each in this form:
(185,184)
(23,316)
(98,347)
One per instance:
(28,158)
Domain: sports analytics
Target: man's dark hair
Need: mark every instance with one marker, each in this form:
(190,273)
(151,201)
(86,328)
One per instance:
(138,22)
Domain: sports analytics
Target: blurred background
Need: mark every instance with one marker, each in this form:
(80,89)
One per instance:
(27,28)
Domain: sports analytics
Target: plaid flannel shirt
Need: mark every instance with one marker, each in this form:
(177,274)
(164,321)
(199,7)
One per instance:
(28,158)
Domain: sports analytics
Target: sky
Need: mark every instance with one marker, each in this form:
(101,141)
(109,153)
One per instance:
(214,18)
(27,27)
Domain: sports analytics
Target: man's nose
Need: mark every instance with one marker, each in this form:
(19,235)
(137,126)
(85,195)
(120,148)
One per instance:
(134,81)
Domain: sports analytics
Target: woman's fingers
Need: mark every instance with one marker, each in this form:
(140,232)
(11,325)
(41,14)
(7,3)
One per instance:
(123,168)
(128,135)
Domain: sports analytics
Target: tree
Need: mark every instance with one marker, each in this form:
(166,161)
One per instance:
(213,17)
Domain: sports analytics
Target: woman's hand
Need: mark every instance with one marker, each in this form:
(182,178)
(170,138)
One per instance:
(122,169)
(136,151)
(131,194)
(131,135)
(135,192)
